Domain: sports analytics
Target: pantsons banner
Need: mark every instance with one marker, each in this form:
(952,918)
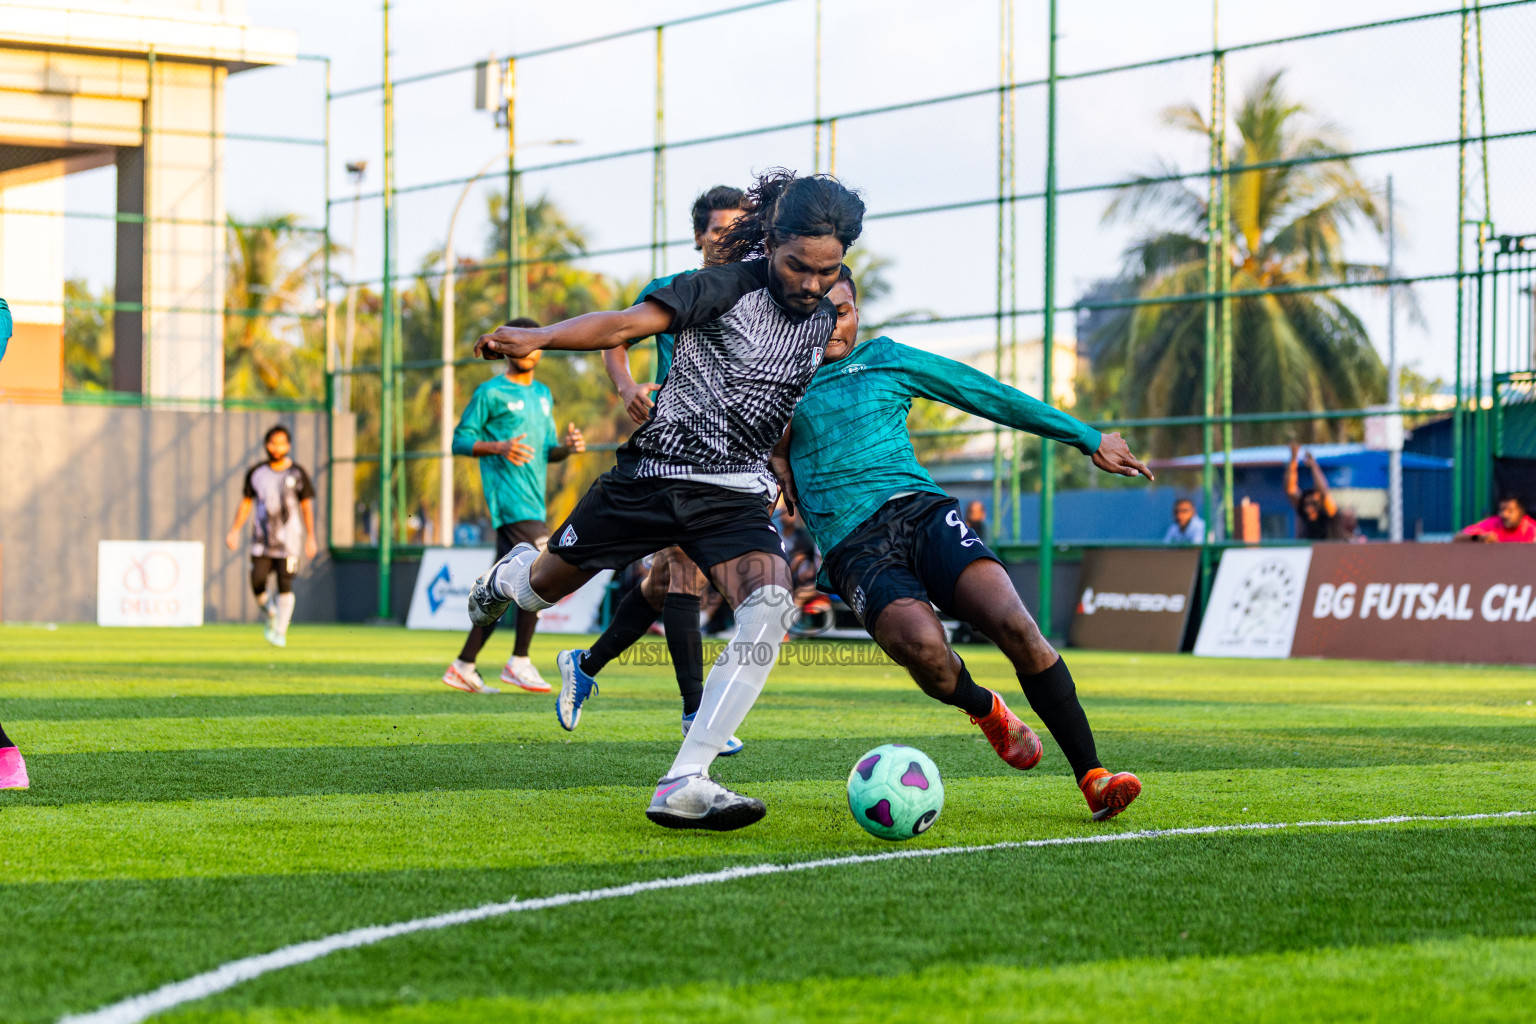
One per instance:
(1135,600)
(1420,602)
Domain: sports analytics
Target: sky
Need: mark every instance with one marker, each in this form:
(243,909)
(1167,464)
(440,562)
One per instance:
(1388,87)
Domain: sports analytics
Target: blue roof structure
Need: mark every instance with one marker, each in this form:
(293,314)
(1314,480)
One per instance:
(1356,465)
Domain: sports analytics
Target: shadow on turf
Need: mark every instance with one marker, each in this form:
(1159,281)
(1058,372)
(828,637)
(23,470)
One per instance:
(291,771)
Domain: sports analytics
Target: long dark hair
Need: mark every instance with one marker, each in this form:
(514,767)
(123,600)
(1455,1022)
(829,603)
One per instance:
(780,206)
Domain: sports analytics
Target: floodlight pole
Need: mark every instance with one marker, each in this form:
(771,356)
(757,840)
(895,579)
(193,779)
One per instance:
(515,270)
(659,164)
(1047,459)
(816,157)
(446,424)
(355,171)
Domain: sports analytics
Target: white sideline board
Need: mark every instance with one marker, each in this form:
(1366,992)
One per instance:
(149,583)
(439,600)
(1254,603)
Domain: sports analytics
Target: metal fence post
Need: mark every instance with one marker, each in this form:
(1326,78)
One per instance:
(386,344)
(1047,460)
(1212,255)
(1458,413)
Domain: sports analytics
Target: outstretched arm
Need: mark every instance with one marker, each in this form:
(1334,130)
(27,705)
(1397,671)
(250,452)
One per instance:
(1292,488)
(966,388)
(1320,481)
(585,333)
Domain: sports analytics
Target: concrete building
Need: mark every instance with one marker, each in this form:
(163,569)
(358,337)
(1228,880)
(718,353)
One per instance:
(87,83)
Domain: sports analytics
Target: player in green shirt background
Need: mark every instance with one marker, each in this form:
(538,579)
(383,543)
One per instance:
(893,541)
(509,426)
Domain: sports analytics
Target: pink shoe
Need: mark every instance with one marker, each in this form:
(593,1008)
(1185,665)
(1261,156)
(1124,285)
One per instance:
(13,770)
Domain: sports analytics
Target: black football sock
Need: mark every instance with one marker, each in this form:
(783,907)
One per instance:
(631,619)
(5,741)
(680,616)
(476,639)
(527,623)
(1053,696)
(974,700)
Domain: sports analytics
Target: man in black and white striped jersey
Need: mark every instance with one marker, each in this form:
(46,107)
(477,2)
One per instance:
(750,334)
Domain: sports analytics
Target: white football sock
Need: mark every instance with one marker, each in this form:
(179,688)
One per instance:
(737,678)
(511,580)
(284,612)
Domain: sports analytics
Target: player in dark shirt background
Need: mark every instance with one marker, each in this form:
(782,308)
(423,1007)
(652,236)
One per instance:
(278,493)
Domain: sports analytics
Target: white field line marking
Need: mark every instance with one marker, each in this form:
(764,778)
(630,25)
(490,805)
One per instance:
(138,1008)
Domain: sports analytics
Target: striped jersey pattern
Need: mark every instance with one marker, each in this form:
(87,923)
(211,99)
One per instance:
(731,390)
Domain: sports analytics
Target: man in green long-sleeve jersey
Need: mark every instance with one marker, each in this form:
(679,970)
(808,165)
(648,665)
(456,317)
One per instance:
(893,541)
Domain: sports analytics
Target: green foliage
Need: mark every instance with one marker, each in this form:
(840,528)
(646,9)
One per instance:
(557,288)
(1295,351)
(87,336)
(273,272)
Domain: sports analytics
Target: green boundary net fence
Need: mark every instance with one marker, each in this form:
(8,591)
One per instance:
(1011,191)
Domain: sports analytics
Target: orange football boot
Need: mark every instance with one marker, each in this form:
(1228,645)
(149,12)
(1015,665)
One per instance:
(1107,794)
(1014,741)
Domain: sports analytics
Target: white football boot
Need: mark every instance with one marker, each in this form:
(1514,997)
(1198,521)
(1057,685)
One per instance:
(697,801)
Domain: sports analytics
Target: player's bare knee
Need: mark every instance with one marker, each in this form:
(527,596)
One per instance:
(915,640)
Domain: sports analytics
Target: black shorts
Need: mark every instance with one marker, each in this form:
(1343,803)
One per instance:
(524,531)
(912,547)
(622,519)
(262,568)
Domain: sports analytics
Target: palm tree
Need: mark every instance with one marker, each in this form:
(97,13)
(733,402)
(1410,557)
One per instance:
(1294,351)
(273,269)
(557,288)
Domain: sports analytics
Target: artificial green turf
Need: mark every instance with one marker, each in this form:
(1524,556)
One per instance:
(199,797)
(1470,981)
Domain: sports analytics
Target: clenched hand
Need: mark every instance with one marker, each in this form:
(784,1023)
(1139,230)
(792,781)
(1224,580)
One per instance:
(516,342)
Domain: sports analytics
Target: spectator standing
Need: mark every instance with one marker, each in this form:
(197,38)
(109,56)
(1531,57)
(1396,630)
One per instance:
(1510,526)
(1186,528)
(1317,514)
(976,519)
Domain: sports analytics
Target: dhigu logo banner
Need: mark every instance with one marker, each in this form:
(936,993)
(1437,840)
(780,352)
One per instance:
(149,583)
(1420,602)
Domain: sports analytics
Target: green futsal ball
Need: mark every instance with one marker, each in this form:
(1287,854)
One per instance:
(895,792)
